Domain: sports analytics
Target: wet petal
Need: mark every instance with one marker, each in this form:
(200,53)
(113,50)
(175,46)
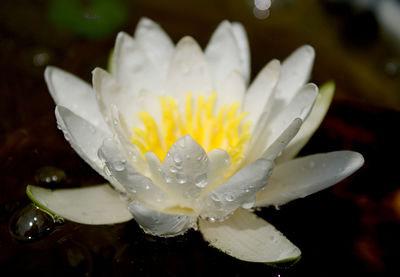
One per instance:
(308,175)
(159,223)
(71,92)
(139,186)
(223,53)
(240,189)
(89,205)
(249,238)
(185,171)
(84,138)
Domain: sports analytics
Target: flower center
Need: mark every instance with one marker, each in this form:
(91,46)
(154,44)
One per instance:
(223,129)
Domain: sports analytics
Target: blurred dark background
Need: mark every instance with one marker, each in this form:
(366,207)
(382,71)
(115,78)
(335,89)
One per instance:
(350,229)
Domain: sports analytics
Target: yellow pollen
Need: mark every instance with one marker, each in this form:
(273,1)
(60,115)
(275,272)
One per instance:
(224,129)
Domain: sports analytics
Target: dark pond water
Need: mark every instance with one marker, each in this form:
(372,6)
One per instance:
(349,230)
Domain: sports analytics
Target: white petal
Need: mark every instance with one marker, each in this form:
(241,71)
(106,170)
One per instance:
(74,94)
(241,39)
(240,189)
(260,91)
(109,92)
(219,164)
(188,71)
(249,238)
(223,53)
(230,90)
(311,124)
(295,72)
(84,138)
(156,43)
(303,176)
(139,186)
(161,224)
(185,170)
(299,107)
(133,69)
(282,141)
(89,205)
(121,134)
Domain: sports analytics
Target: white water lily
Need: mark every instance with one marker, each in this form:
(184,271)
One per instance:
(186,144)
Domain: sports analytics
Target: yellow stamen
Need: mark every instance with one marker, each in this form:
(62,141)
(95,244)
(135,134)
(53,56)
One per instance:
(224,129)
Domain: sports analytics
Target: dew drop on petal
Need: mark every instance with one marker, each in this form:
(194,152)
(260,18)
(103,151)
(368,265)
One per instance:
(249,204)
(229,197)
(119,165)
(177,158)
(173,169)
(30,223)
(181,143)
(181,178)
(215,197)
(201,180)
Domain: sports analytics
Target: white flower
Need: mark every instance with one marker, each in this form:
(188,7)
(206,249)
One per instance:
(186,144)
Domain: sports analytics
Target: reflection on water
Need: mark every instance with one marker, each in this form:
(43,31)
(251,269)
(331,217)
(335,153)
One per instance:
(349,230)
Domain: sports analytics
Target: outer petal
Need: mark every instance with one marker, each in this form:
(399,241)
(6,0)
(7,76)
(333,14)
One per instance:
(311,124)
(139,186)
(260,91)
(240,189)
(185,170)
(308,175)
(84,138)
(156,43)
(188,71)
(219,164)
(89,205)
(241,39)
(133,69)
(249,238)
(295,72)
(159,223)
(223,53)
(74,94)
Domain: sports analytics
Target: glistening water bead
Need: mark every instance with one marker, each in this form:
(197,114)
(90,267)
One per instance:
(30,223)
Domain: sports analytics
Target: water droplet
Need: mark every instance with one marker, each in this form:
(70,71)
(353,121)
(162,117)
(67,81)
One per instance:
(201,180)
(173,169)
(181,143)
(211,219)
(30,223)
(166,177)
(311,164)
(215,197)
(193,193)
(49,175)
(147,187)
(119,165)
(115,122)
(249,204)
(187,156)
(66,136)
(181,178)
(200,157)
(229,197)
(177,158)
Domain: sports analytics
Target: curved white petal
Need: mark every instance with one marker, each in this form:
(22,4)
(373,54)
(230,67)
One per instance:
(223,53)
(109,92)
(241,39)
(159,223)
(185,171)
(240,189)
(260,91)
(84,138)
(249,238)
(230,90)
(303,176)
(295,72)
(73,93)
(188,71)
(156,44)
(219,164)
(133,69)
(88,205)
(299,107)
(311,124)
(139,186)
